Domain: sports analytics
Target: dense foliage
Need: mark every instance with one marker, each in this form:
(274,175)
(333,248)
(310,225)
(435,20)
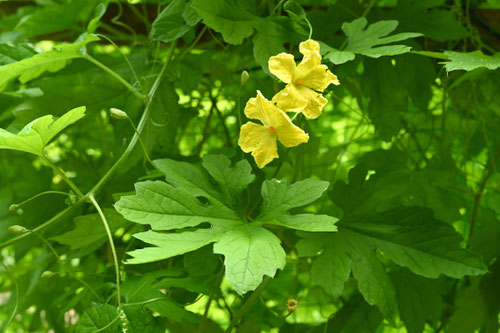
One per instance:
(130,202)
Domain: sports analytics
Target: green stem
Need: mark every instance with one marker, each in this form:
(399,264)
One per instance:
(248,303)
(61,173)
(115,75)
(4,328)
(46,242)
(38,195)
(113,250)
(110,172)
(140,127)
(310,27)
(195,42)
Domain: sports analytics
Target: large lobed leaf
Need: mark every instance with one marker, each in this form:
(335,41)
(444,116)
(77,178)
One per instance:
(192,196)
(371,42)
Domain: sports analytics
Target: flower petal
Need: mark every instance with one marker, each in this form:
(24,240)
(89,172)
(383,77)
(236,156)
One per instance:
(260,141)
(290,100)
(289,134)
(262,109)
(282,66)
(310,50)
(318,77)
(316,102)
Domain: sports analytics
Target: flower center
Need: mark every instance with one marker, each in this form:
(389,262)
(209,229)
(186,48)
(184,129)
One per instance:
(299,81)
(272,129)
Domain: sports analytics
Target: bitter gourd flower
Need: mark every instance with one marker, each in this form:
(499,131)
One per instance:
(261,140)
(304,80)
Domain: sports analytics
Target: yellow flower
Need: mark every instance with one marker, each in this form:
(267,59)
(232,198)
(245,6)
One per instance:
(303,80)
(261,139)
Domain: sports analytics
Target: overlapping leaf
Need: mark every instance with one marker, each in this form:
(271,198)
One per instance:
(30,68)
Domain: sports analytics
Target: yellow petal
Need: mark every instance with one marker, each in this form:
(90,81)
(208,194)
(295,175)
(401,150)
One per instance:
(290,100)
(298,98)
(289,134)
(260,141)
(310,50)
(316,102)
(282,66)
(317,77)
(262,109)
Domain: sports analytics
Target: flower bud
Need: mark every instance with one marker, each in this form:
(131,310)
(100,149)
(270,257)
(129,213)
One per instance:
(292,304)
(13,207)
(117,113)
(47,274)
(244,77)
(18,229)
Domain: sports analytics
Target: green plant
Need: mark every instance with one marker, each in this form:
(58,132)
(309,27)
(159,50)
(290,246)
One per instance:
(139,209)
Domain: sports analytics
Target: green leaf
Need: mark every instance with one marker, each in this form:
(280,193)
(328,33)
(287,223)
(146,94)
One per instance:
(419,300)
(279,197)
(373,281)
(470,61)
(99,12)
(388,100)
(231,181)
(193,196)
(36,135)
(89,229)
(170,24)
(98,317)
(423,16)
(228,18)
(357,316)
(345,252)
(169,245)
(412,238)
(148,289)
(52,61)
(332,269)
(250,253)
(272,34)
(370,42)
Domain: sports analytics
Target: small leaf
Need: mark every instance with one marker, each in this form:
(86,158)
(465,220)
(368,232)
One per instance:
(89,229)
(228,18)
(470,61)
(98,317)
(170,24)
(371,41)
(279,197)
(36,135)
(250,253)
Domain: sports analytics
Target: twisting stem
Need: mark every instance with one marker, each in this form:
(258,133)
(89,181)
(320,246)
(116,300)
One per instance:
(115,75)
(124,57)
(113,250)
(61,173)
(141,143)
(4,328)
(36,196)
(248,303)
(46,242)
